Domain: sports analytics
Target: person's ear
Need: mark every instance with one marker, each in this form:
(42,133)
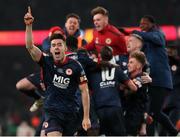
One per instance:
(138,66)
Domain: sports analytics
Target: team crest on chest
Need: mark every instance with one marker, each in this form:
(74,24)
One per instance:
(108,41)
(68,71)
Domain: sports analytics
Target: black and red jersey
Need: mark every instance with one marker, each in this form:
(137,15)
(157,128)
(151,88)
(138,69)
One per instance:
(62,81)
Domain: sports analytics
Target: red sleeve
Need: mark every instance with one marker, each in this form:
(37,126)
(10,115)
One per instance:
(122,44)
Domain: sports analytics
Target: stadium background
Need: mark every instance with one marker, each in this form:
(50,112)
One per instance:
(15,62)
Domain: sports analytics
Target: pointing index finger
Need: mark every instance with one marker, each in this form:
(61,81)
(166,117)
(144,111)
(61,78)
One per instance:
(29,9)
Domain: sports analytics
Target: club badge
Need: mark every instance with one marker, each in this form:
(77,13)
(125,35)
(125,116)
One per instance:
(108,41)
(45,124)
(68,71)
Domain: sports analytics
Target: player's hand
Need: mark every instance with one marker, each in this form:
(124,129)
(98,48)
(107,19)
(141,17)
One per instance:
(28,18)
(43,87)
(86,124)
(122,87)
(146,78)
(137,81)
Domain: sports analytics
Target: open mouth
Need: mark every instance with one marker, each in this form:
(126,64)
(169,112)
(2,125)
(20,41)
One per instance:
(57,53)
(71,28)
(97,26)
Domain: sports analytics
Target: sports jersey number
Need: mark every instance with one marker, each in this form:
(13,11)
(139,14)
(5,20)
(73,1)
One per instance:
(107,75)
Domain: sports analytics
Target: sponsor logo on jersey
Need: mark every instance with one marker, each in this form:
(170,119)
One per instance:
(60,81)
(105,84)
(68,71)
(108,41)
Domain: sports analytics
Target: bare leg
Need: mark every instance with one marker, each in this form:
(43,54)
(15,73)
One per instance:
(54,133)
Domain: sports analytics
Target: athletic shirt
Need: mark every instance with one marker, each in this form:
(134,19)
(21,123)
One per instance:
(105,86)
(109,36)
(62,81)
(138,100)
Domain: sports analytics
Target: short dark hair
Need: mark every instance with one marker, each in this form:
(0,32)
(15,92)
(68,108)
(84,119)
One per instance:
(140,56)
(99,10)
(73,15)
(150,18)
(106,53)
(57,36)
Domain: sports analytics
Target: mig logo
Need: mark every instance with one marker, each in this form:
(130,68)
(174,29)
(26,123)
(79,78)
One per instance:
(60,81)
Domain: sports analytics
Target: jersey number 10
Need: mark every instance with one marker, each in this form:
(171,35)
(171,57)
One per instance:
(108,74)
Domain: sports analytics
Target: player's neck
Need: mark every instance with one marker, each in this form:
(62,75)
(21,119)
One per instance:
(62,61)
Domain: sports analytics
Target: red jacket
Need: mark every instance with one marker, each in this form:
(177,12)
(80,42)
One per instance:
(110,36)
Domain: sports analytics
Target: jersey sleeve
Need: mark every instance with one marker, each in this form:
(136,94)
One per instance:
(44,56)
(81,74)
(155,37)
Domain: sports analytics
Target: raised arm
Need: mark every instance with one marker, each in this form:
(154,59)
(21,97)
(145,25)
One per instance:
(34,51)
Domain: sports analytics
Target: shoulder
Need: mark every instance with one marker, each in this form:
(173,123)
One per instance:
(74,62)
(46,60)
(112,29)
(157,31)
(119,69)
